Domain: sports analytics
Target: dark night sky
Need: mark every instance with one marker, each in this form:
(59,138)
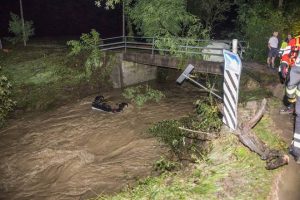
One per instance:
(63,17)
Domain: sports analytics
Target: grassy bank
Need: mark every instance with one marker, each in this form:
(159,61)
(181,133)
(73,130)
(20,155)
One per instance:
(229,171)
(44,76)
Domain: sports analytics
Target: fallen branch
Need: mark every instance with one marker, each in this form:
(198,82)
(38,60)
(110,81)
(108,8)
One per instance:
(200,135)
(274,158)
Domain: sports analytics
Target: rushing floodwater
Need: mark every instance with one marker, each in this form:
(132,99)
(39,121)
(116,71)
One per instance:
(77,153)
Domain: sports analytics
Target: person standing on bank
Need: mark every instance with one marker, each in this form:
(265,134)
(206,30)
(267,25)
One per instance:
(273,50)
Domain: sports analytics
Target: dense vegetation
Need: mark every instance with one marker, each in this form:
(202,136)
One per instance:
(6,103)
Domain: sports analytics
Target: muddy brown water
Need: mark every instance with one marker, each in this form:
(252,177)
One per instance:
(75,152)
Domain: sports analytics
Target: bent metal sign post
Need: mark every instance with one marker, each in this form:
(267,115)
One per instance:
(232,74)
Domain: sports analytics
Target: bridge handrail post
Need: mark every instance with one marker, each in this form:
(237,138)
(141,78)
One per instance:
(125,43)
(186,46)
(152,50)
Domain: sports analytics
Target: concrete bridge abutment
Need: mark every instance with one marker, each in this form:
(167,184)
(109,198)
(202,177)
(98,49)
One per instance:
(126,73)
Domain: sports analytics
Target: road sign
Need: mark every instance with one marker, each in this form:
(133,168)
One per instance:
(186,75)
(232,74)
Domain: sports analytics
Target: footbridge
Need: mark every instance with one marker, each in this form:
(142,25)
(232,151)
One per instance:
(138,53)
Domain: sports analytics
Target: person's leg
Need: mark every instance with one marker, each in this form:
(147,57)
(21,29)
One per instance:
(273,62)
(295,148)
(294,80)
(293,90)
(269,58)
(288,109)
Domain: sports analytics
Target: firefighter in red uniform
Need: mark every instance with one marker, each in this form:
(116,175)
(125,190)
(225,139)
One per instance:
(290,66)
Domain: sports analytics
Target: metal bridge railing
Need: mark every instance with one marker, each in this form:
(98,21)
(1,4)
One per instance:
(205,48)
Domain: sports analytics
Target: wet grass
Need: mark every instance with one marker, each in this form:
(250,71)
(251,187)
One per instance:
(255,94)
(265,131)
(252,85)
(229,171)
(37,75)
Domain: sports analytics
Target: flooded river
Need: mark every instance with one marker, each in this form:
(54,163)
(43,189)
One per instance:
(75,152)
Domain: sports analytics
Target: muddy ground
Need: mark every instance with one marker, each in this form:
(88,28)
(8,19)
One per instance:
(75,152)
(287,184)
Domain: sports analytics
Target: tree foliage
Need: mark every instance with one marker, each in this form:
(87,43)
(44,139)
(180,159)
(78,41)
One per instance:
(293,17)
(166,20)
(210,11)
(15,27)
(108,3)
(6,103)
(88,43)
(157,17)
(257,22)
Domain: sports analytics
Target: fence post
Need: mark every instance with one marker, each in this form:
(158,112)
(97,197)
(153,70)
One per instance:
(235,46)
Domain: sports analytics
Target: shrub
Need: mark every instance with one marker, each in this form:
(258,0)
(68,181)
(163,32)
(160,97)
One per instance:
(88,43)
(209,114)
(142,94)
(163,165)
(15,27)
(167,131)
(6,103)
(183,143)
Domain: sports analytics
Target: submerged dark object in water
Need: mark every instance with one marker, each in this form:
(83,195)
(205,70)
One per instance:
(100,104)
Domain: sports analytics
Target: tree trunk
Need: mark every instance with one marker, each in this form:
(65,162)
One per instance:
(123,17)
(274,158)
(280,3)
(23,24)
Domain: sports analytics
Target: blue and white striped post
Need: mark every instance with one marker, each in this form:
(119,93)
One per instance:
(232,74)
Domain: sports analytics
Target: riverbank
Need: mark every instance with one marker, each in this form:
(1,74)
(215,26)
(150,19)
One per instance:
(44,76)
(229,171)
